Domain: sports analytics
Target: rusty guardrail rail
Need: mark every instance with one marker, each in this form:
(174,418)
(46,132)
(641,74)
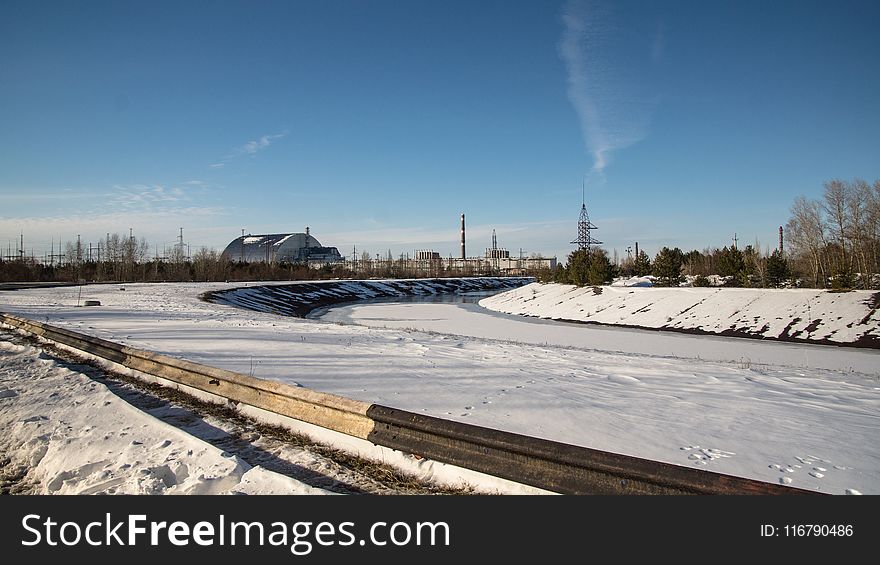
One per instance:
(550,465)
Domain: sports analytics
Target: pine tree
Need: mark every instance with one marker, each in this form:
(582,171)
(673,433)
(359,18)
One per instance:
(600,271)
(642,265)
(588,268)
(667,267)
(730,262)
(777,269)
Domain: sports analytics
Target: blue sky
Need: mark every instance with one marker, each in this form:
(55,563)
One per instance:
(378,123)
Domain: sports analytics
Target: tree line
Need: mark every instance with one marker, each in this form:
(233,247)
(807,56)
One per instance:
(835,241)
(728,266)
(832,243)
(122,258)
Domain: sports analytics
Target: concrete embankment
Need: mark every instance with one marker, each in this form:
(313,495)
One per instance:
(299,299)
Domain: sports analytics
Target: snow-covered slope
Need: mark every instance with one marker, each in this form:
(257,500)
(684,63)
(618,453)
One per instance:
(842,318)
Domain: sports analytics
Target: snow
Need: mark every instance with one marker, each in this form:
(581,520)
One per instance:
(77,437)
(777,414)
(634,281)
(803,314)
(283,239)
(253,239)
(474,321)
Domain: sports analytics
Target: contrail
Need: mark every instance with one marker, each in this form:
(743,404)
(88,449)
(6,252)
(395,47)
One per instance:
(611,116)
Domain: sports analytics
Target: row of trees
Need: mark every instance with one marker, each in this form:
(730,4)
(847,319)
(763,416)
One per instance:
(748,268)
(127,259)
(204,265)
(835,241)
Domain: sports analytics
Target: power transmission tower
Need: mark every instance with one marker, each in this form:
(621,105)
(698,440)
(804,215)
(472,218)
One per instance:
(584,238)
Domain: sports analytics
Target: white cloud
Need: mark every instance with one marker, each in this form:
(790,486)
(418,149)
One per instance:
(145,197)
(154,211)
(38,196)
(250,148)
(612,115)
(158,227)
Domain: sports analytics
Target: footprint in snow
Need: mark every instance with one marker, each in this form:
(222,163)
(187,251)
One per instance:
(623,379)
(817,472)
(705,455)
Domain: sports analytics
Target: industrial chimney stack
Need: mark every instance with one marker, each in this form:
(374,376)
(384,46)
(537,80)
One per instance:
(463,255)
(781,249)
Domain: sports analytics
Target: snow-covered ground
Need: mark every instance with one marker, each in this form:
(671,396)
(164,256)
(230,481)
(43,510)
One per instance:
(472,320)
(801,314)
(787,422)
(74,436)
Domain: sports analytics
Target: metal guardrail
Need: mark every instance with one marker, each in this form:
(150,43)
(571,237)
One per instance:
(550,465)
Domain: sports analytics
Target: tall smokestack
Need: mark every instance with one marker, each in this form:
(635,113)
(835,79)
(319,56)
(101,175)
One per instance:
(637,251)
(781,249)
(463,256)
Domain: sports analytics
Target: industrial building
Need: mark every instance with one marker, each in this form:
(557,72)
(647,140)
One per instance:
(496,260)
(505,265)
(304,249)
(281,248)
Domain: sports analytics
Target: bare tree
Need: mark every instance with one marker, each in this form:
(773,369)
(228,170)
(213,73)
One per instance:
(806,234)
(873,227)
(835,205)
(859,233)
(208,265)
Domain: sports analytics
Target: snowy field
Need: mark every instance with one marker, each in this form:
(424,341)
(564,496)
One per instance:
(77,437)
(802,314)
(795,419)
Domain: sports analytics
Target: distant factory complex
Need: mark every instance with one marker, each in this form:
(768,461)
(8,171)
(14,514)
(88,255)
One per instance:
(303,248)
(280,248)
